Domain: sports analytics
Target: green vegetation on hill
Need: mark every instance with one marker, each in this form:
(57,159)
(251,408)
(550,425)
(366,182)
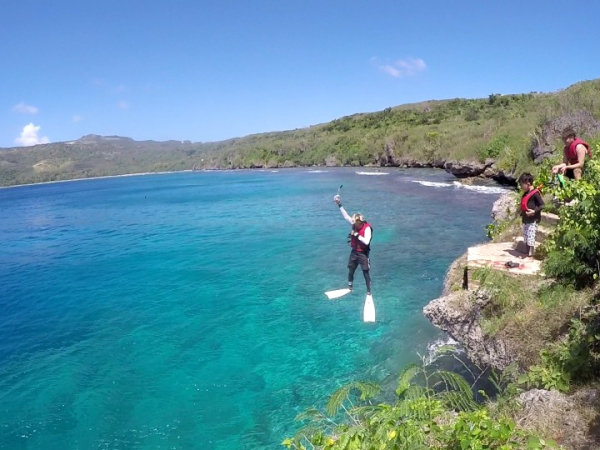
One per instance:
(504,128)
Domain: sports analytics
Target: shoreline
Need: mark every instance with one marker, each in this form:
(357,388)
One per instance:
(458,179)
(95,178)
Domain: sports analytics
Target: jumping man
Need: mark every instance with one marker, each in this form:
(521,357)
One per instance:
(360,240)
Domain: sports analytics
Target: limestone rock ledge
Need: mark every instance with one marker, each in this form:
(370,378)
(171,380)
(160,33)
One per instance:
(458,314)
(505,207)
(486,169)
(463,169)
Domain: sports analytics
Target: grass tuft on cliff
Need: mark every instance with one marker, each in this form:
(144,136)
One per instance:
(527,313)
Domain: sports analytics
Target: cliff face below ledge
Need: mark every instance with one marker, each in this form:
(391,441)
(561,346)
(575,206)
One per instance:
(458,314)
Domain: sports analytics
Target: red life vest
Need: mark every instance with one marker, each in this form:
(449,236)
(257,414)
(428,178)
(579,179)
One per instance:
(526,198)
(356,244)
(571,152)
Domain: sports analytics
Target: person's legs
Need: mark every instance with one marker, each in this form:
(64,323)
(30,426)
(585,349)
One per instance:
(531,229)
(367,281)
(572,175)
(366,267)
(352,265)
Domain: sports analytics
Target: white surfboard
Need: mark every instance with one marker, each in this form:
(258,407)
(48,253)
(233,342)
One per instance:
(337,294)
(369,310)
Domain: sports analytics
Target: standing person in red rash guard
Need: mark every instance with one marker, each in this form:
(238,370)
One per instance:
(574,154)
(360,241)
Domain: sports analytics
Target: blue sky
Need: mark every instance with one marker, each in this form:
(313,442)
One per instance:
(207,71)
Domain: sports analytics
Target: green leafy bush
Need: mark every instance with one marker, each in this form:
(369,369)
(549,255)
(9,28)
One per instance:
(573,249)
(576,359)
(477,430)
(549,375)
(423,417)
(495,229)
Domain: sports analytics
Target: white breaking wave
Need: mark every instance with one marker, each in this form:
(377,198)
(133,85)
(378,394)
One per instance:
(373,173)
(433,349)
(433,184)
(459,185)
(317,171)
(484,189)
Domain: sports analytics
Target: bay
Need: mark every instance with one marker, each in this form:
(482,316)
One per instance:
(187,310)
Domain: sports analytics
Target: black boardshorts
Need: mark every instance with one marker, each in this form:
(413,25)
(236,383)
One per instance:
(359,258)
(573,174)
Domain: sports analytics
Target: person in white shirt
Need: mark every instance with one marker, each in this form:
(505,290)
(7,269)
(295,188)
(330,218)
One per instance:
(360,241)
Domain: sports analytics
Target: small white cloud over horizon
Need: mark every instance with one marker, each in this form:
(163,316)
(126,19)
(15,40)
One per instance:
(29,136)
(123,104)
(77,118)
(24,108)
(402,68)
(390,71)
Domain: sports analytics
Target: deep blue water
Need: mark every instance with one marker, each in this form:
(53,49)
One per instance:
(187,311)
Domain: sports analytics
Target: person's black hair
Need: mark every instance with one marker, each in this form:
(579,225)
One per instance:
(526,178)
(567,133)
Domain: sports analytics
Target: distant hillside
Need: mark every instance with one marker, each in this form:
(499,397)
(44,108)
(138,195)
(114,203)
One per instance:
(498,134)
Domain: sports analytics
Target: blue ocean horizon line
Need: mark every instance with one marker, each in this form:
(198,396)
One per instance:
(152,311)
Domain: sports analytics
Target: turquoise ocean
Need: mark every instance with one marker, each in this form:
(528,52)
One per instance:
(187,310)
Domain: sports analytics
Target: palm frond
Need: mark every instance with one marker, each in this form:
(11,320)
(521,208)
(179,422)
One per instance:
(365,389)
(406,377)
(457,392)
(459,401)
(310,414)
(415,391)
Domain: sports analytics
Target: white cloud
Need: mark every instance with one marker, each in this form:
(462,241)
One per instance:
(24,108)
(123,104)
(77,118)
(29,136)
(391,71)
(403,67)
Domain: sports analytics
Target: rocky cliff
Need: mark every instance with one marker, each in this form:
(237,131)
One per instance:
(458,314)
(572,420)
(460,169)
